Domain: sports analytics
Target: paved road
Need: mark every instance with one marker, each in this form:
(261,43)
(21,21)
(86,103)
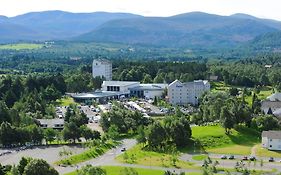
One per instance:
(106,159)
(231,163)
(48,153)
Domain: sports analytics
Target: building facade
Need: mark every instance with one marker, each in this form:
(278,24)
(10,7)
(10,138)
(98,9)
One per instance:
(119,86)
(120,89)
(102,68)
(148,91)
(187,93)
(271,140)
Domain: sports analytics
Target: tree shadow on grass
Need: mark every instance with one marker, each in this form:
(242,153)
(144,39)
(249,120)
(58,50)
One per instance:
(193,147)
(246,136)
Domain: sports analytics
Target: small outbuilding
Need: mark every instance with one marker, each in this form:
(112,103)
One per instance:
(271,140)
(51,123)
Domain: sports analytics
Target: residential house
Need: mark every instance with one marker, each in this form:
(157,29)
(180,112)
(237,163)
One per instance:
(271,140)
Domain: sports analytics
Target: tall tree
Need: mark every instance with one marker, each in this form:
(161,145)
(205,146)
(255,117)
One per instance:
(39,166)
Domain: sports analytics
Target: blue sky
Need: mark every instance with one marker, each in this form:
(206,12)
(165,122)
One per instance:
(259,8)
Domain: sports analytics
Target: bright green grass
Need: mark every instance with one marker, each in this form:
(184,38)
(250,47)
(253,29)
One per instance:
(151,158)
(88,154)
(233,149)
(222,87)
(65,101)
(214,139)
(116,170)
(219,86)
(264,93)
(199,157)
(21,46)
(266,153)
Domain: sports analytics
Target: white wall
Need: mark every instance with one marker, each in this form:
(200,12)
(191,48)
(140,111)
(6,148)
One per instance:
(102,69)
(124,87)
(184,93)
(151,94)
(264,142)
(274,144)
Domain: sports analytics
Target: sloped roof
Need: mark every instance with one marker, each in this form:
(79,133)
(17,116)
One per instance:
(272,134)
(274,97)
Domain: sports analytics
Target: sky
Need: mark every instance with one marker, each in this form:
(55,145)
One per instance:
(259,8)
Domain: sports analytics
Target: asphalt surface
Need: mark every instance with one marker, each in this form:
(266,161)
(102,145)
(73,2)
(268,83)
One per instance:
(106,159)
(226,163)
(51,155)
(48,153)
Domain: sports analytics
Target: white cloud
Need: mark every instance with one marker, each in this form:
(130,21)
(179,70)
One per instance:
(260,8)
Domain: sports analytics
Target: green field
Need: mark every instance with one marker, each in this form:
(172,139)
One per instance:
(219,87)
(151,158)
(21,46)
(266,153)
(213,139)
(116,170)
(222,87)
(200,157)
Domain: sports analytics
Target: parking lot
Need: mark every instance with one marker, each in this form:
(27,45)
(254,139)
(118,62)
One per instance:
(48,153)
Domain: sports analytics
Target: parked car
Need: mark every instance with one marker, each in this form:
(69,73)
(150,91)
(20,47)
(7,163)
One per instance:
(245,158)
(253,158)
(224,157)
(271,159)
(231,157)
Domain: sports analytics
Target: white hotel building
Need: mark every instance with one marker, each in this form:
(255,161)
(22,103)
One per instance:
(187,93)
(102,68)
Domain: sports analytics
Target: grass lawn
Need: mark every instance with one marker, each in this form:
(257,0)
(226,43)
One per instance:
(213,139)
(151,158)
(88,154)
(65,101)
(219,86)
(21,46)
(199,157)
(222,87)
(264,92)
(267,153)
(116,170)
(234,149)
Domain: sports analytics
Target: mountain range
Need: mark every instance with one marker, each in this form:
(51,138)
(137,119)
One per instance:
(195,29)
(53,25)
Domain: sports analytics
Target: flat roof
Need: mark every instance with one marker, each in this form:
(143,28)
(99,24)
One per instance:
(119,83)
(151,87)
(97,94)
(51,122)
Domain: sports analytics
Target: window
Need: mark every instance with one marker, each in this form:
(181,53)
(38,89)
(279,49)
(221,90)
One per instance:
(270,146)
(270,140)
